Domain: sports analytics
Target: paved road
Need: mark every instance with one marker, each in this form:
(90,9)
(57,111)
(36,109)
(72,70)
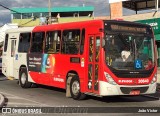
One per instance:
(51,97)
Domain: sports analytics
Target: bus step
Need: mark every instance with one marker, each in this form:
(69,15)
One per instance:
(10,78)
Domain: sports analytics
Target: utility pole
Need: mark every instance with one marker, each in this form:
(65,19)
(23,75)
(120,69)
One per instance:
(157,5)
(156,8)
(49,10)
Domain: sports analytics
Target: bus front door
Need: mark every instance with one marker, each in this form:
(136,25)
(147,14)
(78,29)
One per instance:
(93,63)
(11,56)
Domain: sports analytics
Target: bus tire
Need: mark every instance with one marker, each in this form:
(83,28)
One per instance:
(75,89)
(23,80)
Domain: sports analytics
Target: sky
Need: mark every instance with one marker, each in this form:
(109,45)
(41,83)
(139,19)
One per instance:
(101,6)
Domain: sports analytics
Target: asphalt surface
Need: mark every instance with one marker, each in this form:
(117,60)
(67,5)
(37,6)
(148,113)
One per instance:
(44,96)
(2,98)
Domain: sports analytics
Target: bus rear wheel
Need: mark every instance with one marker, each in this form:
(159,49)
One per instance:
(23,80)
(75,89)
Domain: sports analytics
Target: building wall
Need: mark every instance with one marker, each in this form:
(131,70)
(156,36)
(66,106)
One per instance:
(30,23)
(116,10)
(62,20)
(144,16)
(26,22)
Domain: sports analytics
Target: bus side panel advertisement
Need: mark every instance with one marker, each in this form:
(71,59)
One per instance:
(41,63)
(48,63)
(34,62)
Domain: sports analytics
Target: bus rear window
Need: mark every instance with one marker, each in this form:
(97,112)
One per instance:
(6,43)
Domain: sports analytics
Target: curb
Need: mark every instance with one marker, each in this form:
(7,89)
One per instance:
(2,100)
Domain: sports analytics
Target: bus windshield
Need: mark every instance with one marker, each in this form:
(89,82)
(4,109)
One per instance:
(130,51)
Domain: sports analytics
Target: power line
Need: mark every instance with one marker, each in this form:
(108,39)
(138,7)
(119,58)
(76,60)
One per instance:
(26,23)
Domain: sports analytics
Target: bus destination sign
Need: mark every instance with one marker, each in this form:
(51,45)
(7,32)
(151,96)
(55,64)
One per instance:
(127,28)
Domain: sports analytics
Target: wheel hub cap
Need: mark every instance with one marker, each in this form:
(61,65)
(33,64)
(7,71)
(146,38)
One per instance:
(75,88)
(23,78)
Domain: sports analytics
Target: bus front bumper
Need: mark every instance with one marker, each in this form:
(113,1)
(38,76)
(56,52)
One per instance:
(106,89)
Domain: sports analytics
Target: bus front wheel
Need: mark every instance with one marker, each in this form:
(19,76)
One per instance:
(24,79)
(75,89)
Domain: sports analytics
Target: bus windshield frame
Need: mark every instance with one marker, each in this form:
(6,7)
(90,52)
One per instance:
(129,48)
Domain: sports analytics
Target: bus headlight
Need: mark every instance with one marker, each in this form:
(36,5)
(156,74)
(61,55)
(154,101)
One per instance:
(154,79)
(109,79)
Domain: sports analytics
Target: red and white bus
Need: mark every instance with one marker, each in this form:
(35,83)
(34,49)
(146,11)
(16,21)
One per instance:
(98,57)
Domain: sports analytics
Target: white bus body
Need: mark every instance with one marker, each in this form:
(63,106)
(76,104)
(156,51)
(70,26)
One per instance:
(12,60)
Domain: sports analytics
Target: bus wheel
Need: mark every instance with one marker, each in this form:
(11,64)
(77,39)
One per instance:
(75,89)
(23,80)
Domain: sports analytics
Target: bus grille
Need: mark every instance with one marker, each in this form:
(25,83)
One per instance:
(132,73)
(127,90)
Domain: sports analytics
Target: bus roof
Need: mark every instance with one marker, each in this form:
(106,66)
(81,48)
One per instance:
(70,24)
(24,29)
(67,25)
(84,23)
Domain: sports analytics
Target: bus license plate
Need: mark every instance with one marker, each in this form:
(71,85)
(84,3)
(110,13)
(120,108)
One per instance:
(135,92)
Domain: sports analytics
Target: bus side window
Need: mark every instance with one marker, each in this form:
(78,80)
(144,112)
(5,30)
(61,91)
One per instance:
(37,42)
(82,41)
(52,43)
(6,43)
(24,42)
(71,41)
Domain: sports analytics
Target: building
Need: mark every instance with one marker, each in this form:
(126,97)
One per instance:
(37,16)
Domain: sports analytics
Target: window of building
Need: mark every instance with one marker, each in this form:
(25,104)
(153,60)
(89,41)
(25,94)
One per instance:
(27,16)
(52,44)
(24,42)
(36,15)
(37,42)
(6,43)
(45,14)
(16,16)
(71,41)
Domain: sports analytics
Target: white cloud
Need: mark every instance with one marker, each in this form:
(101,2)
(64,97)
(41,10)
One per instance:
(4,11)
(1,23)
